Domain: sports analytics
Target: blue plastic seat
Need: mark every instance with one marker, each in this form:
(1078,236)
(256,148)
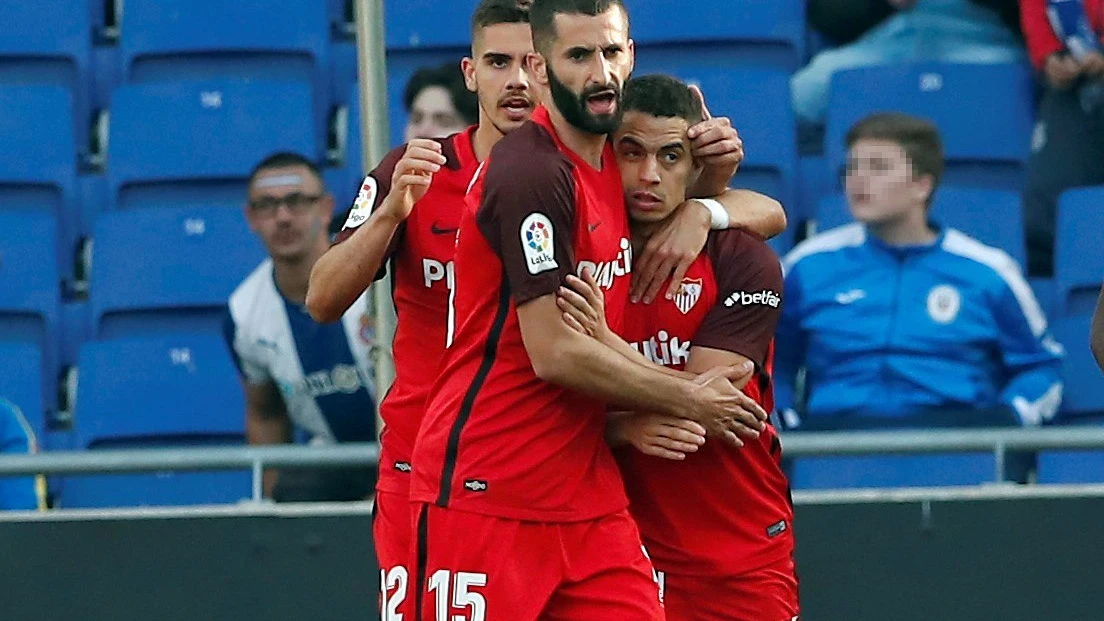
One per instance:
(50,43)
(21,381)
(1078,253)
(30,300)
(993,217)
(1083,394)
(38,167)
(936,470)
(195,143)
(150,392)
(167,40)
(985,145)
(1073,466)
(168,270)
(710,33)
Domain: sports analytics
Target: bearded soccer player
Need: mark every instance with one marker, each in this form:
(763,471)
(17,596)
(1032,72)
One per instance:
(522,510)
(716,519)
(419,244)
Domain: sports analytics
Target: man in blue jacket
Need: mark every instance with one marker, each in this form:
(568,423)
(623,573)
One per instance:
(895,318)
(22,493)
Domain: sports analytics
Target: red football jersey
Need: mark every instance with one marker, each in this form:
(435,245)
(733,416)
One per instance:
(421,260)
(723,510)
(496,439)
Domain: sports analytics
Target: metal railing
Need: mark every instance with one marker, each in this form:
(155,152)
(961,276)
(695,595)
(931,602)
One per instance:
(795,444)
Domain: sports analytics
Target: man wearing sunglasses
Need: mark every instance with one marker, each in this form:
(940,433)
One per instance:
(303,380)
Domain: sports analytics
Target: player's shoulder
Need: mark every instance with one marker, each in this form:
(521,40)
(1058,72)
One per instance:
(738,243)
(527,155)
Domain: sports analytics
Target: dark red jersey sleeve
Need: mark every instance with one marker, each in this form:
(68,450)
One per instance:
(527,214)
(373,190)
(749,295)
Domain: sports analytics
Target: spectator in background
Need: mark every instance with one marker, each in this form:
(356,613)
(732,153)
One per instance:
(1067,149)
(18,493)
(437,103)
(968,31)
(897,321)
(301,378)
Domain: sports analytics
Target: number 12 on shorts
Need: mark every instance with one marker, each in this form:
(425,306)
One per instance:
(460,584)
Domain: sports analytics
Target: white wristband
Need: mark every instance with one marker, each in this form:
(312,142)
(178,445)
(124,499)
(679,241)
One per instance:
(718,217)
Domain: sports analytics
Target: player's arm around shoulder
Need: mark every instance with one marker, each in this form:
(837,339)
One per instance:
(370,235)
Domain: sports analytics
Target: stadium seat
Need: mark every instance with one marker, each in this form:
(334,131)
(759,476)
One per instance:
(1078,253)
(1083,394)
(280,40)
(30,300)
(1044,292)
(50,43)
(157,392)
(986,144)
(994,217)
(936,470)
(38,167)
(21,378)
(168,270)
(704,33)
(1073,466)
(425,24)
(195,143)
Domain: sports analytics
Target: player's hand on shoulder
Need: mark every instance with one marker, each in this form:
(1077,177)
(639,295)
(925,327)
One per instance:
(659,435)
(670,252)
(724,410)
(584,306)
(714,142)
(412,177)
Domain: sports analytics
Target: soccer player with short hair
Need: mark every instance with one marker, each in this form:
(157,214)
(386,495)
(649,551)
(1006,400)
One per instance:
(522,510)
(397,220)
(716,519)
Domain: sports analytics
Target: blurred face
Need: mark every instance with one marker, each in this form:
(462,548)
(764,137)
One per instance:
(653,154)
(290,211)
(497,73)
(880,184)
(586,67)
(433,115)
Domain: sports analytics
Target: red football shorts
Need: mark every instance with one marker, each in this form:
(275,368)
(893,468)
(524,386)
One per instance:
(484,568)
(391,524)
(768,594)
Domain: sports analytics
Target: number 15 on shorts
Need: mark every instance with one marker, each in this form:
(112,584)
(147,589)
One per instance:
(457,589)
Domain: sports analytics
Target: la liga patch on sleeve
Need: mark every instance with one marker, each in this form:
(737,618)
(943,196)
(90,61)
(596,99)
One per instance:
(536,243)
(362,206)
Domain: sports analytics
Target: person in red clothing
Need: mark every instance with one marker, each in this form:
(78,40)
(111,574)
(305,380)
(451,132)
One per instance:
(721,555)
(1066,44)
(521,508)
(418,243)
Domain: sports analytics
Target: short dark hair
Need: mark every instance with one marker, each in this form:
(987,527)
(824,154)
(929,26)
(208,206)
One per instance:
(286,159)
(494,12)
(542,16)
(917,137)
(662,96)
(449,77)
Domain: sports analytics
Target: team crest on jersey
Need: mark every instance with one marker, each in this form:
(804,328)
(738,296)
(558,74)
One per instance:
(537,243)
(362,206)
(688,294)
(944,302)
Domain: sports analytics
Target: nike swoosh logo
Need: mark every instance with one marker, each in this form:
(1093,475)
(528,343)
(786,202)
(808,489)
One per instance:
(593,227)
(436,230)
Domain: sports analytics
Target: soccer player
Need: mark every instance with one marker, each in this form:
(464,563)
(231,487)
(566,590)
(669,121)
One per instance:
(522,510)
(716,519)
(418,243)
